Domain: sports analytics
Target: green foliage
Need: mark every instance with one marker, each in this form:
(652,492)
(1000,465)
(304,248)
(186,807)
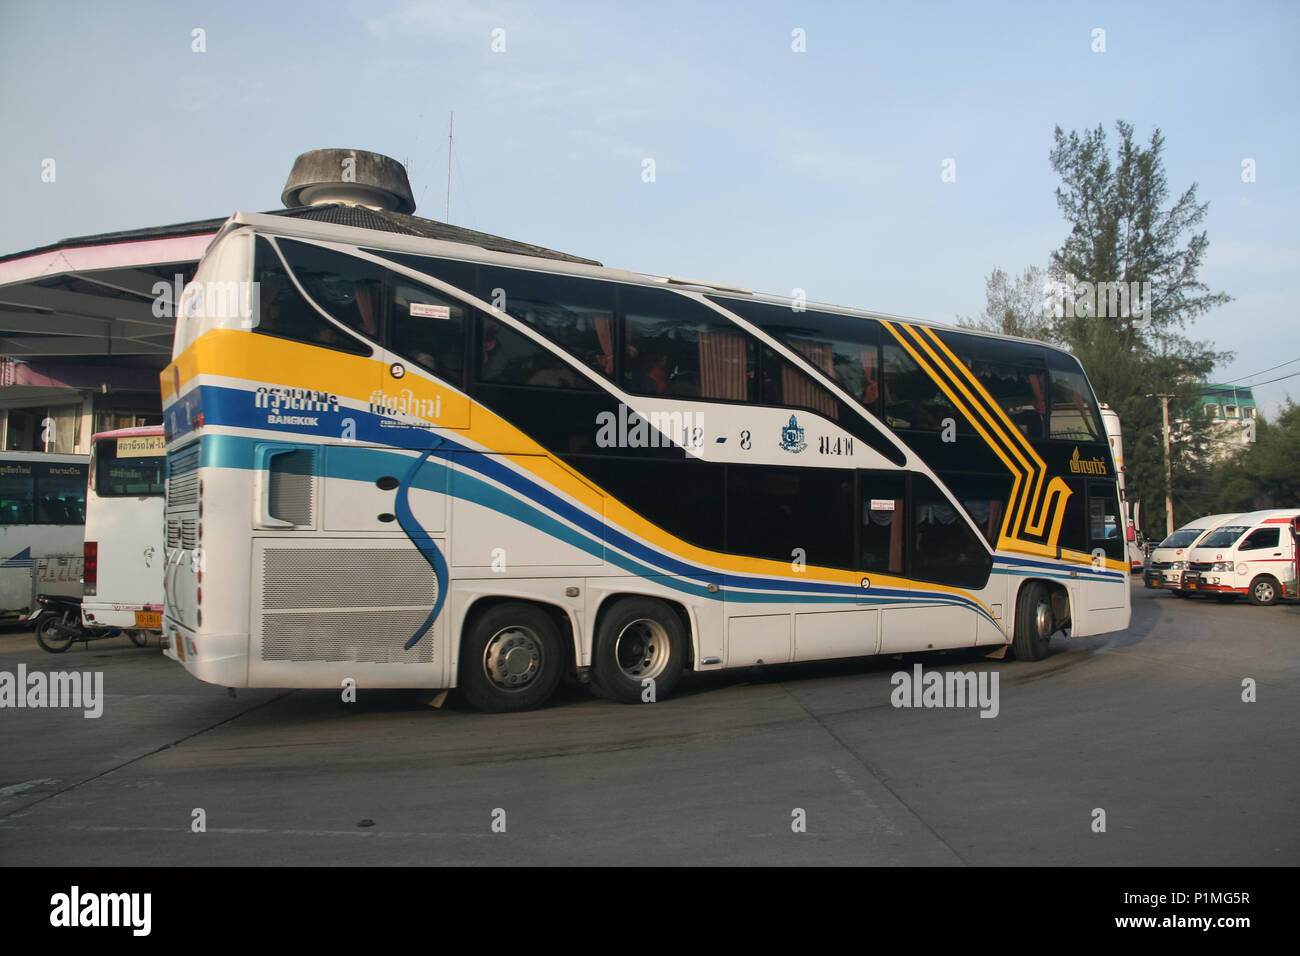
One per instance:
(1121,231)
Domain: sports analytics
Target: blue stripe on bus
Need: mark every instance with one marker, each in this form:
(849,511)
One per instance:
(361,464)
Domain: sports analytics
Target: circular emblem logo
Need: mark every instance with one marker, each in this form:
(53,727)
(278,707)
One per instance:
(866,583)
(397,370)
(1241,569)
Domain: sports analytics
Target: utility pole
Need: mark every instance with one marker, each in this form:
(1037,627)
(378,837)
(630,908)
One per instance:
(1169,471)
(451,124)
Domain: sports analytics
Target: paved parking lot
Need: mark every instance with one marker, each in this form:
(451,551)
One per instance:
(1147,725)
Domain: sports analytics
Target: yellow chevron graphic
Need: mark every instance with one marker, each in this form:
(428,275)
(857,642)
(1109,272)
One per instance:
(1037,506)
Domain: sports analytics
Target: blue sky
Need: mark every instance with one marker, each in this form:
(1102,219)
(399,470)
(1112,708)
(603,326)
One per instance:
(774,169)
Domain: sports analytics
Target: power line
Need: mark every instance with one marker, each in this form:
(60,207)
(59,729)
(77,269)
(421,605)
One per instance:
(1253,374)
(1272,380)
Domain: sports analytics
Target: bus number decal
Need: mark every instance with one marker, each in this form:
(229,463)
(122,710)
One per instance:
(835,446)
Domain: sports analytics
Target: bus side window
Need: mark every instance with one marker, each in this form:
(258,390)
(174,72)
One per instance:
(1104,531)
(284,313)
(428,328)
(507,357)
(911,398)
(883,517)
(944,548)
(16,493)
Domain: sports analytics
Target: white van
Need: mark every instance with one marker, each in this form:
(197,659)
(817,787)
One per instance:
(1168,561)
(123,577)
(1254,554)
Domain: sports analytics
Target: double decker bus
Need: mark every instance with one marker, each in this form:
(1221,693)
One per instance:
(416,463)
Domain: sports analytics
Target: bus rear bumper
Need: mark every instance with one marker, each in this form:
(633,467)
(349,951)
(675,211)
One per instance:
(220,659)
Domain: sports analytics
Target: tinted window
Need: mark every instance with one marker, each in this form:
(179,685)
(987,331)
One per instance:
(120,473)
(348,288)
(910,398)
(784,384)
(575,313)
(676,347)
(1263,538)
(1074,533)
(17,493)
(1104,529)
(507,357)
(61,493)
(462,275)
(984,497)
(428,328)
(683,497)
(284,313)
(1072,415)
(846,348)
(1223,537)
(772,511)
(882,521)
(944,548)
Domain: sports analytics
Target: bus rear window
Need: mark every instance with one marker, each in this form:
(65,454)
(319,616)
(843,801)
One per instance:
(129,470)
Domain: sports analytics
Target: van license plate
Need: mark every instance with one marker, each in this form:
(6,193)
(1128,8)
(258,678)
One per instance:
(149,619)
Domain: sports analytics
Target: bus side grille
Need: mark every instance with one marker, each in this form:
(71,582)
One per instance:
(183,479)
(371,636)
(173,533)
(189,533)
(346,604)
(290,496)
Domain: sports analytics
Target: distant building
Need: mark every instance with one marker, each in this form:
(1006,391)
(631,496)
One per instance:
(1232,410)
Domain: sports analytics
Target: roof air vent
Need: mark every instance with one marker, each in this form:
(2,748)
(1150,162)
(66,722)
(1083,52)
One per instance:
(352,176)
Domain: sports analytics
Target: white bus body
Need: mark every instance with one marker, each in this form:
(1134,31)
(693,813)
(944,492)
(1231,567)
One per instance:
(345,506)
(1168,560)
(124,552)
(1254,555)
(1114,433)
(42,518)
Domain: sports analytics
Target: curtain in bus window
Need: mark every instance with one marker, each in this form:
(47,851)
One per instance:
(944,548)
(605,335)
(723,367)
(797,388)
(880,533)
(871,373)
(428,328)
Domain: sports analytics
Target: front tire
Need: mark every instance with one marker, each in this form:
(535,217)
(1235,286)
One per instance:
(511,660)
(1264,591)
(1035,623)
(639,639)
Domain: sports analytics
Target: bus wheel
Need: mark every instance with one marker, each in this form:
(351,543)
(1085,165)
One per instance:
(139,638)
(639,640)
(512,659)
(1035,623)
(1264,590)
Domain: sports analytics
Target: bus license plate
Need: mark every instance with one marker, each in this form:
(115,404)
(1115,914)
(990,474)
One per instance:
(149,619)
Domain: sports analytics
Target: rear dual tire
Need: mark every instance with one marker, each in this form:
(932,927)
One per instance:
(512,659)
(640,651)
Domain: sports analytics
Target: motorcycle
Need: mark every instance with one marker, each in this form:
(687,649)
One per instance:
(58,624)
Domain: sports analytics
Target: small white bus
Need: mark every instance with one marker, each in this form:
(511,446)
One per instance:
(124,531)
(1255,554)
(42,516)
(1168,560)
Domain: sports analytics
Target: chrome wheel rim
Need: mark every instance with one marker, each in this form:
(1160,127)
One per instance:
(1264,591)
(512,658)
(642,649)
(1043,621)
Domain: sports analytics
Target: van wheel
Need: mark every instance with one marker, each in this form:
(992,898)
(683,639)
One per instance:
(139,638)
(1264,590)
(639,639)
(511,660)
(1035,623)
